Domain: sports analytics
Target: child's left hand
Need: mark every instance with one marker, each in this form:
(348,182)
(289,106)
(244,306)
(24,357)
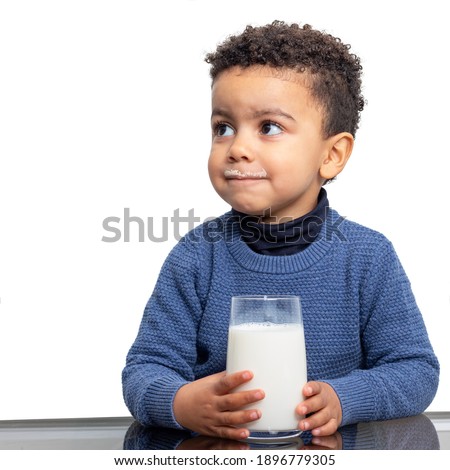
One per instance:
(324,406)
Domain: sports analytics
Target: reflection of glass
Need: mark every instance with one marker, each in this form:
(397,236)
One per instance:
(139,437)
(266,337)
(415,432)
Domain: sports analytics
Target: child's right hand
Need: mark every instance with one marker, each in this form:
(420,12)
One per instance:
(210,407)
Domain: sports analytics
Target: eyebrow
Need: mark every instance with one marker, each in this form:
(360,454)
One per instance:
(254,115)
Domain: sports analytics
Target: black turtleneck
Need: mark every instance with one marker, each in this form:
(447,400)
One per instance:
(286,238)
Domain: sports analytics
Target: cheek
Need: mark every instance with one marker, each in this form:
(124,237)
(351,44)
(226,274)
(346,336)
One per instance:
(293,177)
(215,171)
(212,163)
(286,187)
(297,161)
(216,153)
(211,169)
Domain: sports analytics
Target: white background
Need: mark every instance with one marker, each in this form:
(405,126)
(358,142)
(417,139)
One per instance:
(104,105)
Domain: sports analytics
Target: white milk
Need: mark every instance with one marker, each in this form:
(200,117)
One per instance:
(275,353)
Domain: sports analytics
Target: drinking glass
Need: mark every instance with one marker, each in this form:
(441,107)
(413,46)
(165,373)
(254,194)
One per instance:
(266,337)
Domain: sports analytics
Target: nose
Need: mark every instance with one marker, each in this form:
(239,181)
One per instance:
(240,149)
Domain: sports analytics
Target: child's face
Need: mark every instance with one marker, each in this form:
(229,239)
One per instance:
(267,146)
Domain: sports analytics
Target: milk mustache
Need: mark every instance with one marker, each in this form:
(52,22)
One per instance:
(275,353)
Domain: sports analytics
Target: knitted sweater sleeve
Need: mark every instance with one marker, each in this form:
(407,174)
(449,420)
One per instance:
(161,359)
(400,373)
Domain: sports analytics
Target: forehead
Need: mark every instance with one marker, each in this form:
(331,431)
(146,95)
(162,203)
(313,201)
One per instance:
(258,87)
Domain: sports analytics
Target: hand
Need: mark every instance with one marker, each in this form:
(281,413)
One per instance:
(210,407)
(324,406)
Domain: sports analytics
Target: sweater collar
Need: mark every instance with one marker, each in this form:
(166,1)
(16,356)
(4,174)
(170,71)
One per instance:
(249,259)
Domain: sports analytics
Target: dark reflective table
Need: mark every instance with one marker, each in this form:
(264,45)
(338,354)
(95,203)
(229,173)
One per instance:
(416,432)
(425,431)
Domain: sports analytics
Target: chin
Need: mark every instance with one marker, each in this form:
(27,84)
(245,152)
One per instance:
(250,211)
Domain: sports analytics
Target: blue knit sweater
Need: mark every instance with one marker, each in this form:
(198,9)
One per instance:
(364,333)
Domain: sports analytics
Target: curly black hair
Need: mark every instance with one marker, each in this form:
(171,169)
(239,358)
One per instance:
(332,72)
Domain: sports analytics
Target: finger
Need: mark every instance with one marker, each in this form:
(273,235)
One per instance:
(238,418)
(320,423)
(327,429)
(316,420)
(311,405)
(237,400)
(215,376)
(236,434)
(227,382)
(311,388)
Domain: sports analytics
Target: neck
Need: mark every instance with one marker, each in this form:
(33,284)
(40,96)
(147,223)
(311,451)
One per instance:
(287,235)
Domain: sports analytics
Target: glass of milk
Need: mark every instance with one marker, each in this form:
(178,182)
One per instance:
(266,337)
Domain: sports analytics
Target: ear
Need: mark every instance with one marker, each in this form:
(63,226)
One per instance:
(338,152)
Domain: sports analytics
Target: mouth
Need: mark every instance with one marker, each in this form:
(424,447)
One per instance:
(234,174)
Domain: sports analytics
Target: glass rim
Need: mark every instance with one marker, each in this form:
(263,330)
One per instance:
(265,297)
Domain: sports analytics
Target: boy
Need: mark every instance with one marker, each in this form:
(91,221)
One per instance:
(286,103)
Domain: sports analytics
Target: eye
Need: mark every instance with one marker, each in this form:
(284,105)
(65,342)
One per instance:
(222,129)
(271,128)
